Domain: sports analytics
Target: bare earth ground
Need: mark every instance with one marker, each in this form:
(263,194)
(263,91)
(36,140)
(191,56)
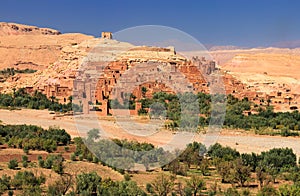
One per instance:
(240,140)
(72,168)
(41,118)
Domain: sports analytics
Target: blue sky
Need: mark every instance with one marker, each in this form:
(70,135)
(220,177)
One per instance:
(246,23)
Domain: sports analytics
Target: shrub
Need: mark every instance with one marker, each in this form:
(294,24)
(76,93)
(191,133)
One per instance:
(73,157)
(231,192)
(40,157)
(267,191)
(54,162)
(25,164)
(245,192)
(26,149)
(67,148)
(10,193)
(89,157)
(24,158)
(87,183)
(13,164)
(142,111)
(149,188)
(95,159)
(28,182)
(25,161)
(127,177)
(41,163)
(58,165)
(4,183)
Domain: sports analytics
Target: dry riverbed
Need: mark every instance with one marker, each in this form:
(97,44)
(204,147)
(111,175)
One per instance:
(241,140)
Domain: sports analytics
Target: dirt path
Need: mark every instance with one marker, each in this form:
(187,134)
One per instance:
(243,142)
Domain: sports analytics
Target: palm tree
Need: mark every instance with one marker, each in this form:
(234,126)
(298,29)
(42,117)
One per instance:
(14,96)
(14,90)
(132,97)
(70,98)
(52,98)
(144,91)
(269,101)
(290,98)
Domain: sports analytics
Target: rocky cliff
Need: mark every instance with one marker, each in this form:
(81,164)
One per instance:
(19,29)
(52,54)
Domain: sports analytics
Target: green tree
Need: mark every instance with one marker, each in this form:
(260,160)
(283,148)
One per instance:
(28,183)
(234,172)
(93,134)
(224,169)
(240,172)
(262,177)
(61,186)
(226,153)
(274,160)
(5,182)
(250,160)
(58,166)
(87,183)
(163,185)
(196,184)
(193,154)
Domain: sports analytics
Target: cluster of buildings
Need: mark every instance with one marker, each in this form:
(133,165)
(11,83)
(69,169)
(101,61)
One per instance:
(280,96)
(142,71)
(139,78)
